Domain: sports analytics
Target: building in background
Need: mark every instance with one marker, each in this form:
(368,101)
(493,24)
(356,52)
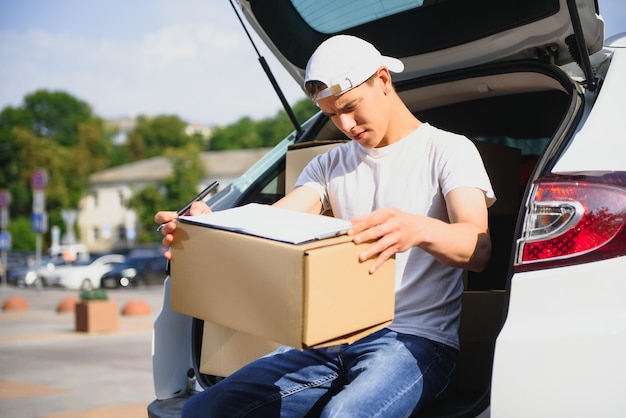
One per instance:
(104,219)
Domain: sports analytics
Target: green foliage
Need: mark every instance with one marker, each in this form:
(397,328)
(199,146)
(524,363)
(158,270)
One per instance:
(151,136)
(146,202)
(241,134)
(56,115)
(57,132)
(93,294)
(22,236)
(246,133)
(180,186)
(187,171)
(304,109)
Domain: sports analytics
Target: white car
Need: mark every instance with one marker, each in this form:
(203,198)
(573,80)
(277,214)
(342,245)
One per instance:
(539,91)
(86,274)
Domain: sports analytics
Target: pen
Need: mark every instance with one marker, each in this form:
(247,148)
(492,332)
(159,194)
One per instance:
(200,196)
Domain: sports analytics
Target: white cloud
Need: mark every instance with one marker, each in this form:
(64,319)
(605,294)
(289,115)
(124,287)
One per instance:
(190,58)
(198,71)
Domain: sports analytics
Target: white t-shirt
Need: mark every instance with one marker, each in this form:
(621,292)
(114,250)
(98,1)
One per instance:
(413,175)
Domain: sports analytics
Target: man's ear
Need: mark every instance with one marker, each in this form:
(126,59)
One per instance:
(384,78)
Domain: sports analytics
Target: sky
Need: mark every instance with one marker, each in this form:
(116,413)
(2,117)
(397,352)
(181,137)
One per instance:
(189,58)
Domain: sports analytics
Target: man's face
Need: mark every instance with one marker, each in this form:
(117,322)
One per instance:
(361,113)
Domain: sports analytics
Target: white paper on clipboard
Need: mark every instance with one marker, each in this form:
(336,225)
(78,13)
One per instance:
(273,223)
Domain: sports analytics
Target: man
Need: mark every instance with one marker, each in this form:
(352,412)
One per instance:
(422,195)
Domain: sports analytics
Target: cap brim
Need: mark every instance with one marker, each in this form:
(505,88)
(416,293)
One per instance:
(393,64)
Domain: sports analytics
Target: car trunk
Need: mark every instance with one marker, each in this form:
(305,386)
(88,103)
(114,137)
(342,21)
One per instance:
(519,110)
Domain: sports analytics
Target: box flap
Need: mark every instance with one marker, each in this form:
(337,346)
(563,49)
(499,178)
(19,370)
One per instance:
(224,350)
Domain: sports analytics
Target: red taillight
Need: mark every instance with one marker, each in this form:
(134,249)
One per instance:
(572,219)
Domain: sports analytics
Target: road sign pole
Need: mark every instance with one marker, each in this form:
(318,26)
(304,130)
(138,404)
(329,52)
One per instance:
(38,182)
(5,236)
(4,272)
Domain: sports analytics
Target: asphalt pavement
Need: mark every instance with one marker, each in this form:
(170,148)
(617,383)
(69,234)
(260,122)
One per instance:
(48,370)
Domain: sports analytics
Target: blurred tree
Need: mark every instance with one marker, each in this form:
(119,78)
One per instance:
(94,145)
(241,134)
(40,152)
(152,135)
(180,187)
(246,133)
(56,115)
(22,236)
(146,202)
(57,132)
(304,109)
(187,171)
(10,167)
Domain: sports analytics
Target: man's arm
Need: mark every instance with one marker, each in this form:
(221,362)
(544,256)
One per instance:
(462,243)
(303,199)
(465,242)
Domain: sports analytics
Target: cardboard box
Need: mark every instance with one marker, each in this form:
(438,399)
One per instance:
(225,351)
(308,295)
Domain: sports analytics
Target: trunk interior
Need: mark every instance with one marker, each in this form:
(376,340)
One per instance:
(512,113)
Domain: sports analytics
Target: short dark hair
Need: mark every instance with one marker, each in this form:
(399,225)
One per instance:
(313,88)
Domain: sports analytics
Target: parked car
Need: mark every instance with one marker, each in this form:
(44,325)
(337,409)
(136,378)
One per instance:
(25,276)
(85,274)
(136,271)
(29,274)
(46,272)
(18,263)
(541,94)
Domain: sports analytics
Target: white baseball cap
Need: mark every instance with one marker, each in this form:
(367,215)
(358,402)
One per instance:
(344,62)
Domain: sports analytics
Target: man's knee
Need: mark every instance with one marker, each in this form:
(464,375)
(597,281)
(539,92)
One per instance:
(201,405)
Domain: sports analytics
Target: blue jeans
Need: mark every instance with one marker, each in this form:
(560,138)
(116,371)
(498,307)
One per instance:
(385,374)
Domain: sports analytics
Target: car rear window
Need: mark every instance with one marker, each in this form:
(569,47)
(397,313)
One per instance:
(331,16)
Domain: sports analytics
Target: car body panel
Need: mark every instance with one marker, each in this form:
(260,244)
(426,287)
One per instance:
(172,361)
(48,268)
(22,276)
(135,271)
(73,276)
(561,350)
(604,128)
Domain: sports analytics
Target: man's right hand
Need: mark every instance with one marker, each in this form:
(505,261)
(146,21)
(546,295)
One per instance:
(168,226)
